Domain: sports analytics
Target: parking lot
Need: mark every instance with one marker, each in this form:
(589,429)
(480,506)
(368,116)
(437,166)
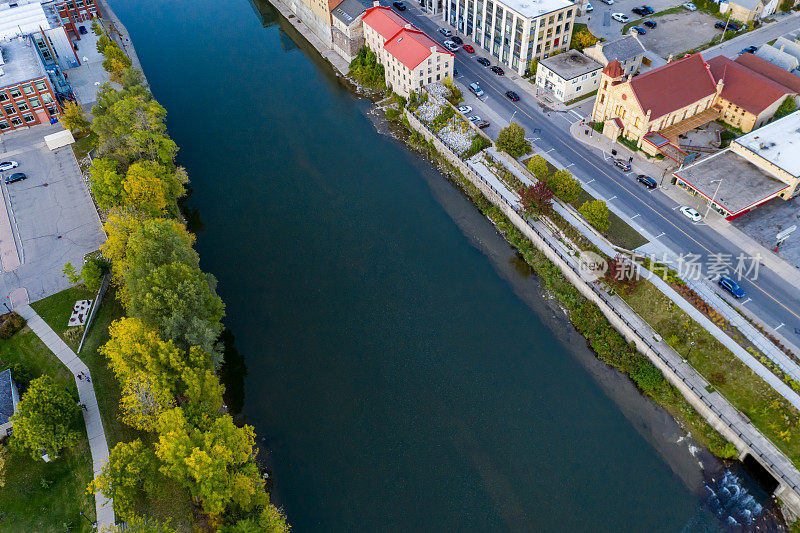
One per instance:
(602,25)
(50,214)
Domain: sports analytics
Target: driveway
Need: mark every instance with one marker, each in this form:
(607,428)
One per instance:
(679,32)
(51,215)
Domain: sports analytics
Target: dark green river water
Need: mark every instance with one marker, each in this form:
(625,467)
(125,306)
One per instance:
(404,369)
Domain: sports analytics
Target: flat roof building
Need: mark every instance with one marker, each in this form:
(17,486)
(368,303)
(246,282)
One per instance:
(757,167)
(569,75)
(514,31)
(20,19)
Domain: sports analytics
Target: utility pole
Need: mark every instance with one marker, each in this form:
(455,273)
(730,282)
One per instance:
(719,182)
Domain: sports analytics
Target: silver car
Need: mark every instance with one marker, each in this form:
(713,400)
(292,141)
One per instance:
(8,165)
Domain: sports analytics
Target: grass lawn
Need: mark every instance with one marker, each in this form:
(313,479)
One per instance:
(41,496)
(768,410)
(56,309)
(84,143)
(619,232)
(174,502)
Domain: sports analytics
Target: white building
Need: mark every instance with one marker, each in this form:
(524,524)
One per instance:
(569,75)
(628,50)
(411,58)
(348,30)
(18,19)
(514,31)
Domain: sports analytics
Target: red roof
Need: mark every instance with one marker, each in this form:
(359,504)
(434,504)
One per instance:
(383,20)
(773,72)
(743,87)
(411,47)
(673,86)
(613,69)
(333,3)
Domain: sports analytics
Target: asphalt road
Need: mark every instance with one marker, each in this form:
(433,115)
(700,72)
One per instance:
(769,296)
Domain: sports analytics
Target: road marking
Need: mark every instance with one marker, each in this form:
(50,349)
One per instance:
(565,118)
(590,181)
(534,139)
(634,216)
(655,211)
(660,235)
(612,198)
(571,164)
(676,207)
(779,327)
(748,300)
(576,114)
(550,150)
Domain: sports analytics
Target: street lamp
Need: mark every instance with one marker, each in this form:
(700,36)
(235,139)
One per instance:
(511,120)
(691,345)
(719,182)
(87,519)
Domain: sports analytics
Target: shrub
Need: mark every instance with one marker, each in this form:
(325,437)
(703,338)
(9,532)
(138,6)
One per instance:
(455,97)
(539,167)
(512,141)
(11,323)
(366,69)
(479,142)
(648,376)
(596,213)
(441,119)
(93,270)
(564,186)
(787,107)
(392,113)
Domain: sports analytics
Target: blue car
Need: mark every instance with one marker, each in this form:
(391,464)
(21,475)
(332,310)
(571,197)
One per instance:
(640,30)
(749,50)
(731,286)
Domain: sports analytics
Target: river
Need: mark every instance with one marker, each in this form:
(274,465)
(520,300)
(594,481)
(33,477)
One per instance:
(404,369)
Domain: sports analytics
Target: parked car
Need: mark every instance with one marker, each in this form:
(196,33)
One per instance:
(690,6)
(82,30)
(465,109)
(749,50)
(620,17)
(456,39)
(400,6)
(731,26)
(622,164)
(589,7)
(474,118)
(647,181)
(455,72)
(731,286)
(468,49)
(17,176)
(643,11)
(445,32)
(8,165)
(639,30)
(497,70)
(475,89)
(482,124)
(609,2)
(650,23)
(450,45)
(691,213)
(483,61)
(514,97)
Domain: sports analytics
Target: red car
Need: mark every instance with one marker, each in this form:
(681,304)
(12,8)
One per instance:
(469,49)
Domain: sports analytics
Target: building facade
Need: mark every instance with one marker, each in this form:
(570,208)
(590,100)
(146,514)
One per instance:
(76,13)
(514,31)
(27,98)
(568,76)
(347,31)
(316,14)
(628,50)
(9,398)
(410,58)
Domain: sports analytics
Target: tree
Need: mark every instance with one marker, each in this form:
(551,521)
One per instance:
(131,470)
(511,140)
(181,301)
(270,520)
(535,199)
(582,38)
(787,107)
(71,273)
(213,463)
(74,117)
(648,376)
(149,245)
(143,524)
(46,419)
(106,182)
(533,65)
(596,213)
(564,186)
(621,274)
(94,268)
(151,187)
(143,400)
(787,5)
(539,167)
(115,62)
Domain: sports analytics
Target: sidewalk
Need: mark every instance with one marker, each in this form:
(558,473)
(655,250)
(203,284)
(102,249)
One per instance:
(91,415)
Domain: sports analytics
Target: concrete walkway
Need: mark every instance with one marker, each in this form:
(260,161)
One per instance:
(91,415)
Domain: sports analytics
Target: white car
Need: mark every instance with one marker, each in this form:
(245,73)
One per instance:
(474,118)
(445,32)
(690,6)
(691,213)
(589,7)
(465,109)
(450,45)
(620,17)
(8,165)
(609,2)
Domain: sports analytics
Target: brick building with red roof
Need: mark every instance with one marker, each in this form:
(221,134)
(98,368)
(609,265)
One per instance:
(409,57)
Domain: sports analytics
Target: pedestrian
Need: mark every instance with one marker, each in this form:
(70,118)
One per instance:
(80,377)
(88,379)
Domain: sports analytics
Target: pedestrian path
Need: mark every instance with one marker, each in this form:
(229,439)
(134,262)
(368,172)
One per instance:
(91,415)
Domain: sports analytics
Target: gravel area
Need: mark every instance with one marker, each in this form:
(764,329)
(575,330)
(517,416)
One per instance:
(457,135)
(439,91)
(679,32)
(428,111)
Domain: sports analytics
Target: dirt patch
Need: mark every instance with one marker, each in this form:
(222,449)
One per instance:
(679,32)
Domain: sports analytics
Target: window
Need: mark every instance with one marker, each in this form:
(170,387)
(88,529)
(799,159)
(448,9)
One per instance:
(578,88)
(47,98)
(15,121)
(9,109)
(15,92)
(34,102)
(429,79)
(569,13)
(566,27)
(4,125)
(29,118)
(23,106)
(3,96)
(438,77)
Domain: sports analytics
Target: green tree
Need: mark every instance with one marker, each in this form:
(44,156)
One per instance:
(181,302)
(151,187)
(74,117)
(787,5)
(102,42)
(143,524)
(582,38)
(130,472)
(511,140)
(213,463)
(106,182)
(564,186)
(94,268)
(539,167)
(787,107)
(596,213)
(648,376)
(270,520)
(46,419)
(97,28)
(71,273)
(115,62)
(533,65)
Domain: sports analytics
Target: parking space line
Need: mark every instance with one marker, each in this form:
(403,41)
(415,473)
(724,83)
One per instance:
(590,181)
(612,198)
(748,300)
(780,326)
(660,235)
(634,216)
